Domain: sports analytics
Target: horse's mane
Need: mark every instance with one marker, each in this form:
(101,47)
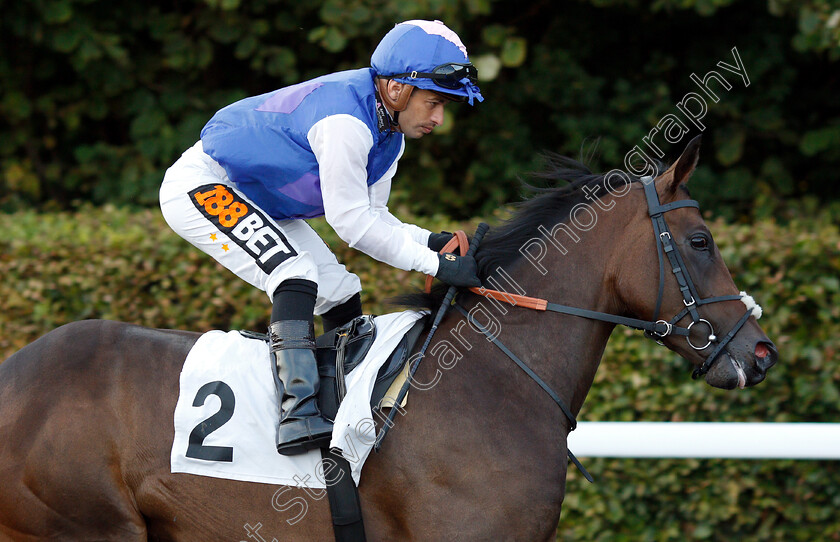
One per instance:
(549,199)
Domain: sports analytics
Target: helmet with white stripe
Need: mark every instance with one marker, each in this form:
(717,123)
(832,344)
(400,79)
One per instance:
(427,55)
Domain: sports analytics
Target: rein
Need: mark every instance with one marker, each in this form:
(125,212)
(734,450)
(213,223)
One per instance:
(656,329)
(459,241)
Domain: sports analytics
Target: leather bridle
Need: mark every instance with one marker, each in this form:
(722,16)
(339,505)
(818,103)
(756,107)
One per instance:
(691,299)
(656,329)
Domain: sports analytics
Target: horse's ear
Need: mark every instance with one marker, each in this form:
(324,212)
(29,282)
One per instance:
(685,164)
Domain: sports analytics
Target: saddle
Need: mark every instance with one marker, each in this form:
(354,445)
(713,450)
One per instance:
(342,349)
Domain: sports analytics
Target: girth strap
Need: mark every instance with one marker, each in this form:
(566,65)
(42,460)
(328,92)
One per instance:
(536,378)
(343,495)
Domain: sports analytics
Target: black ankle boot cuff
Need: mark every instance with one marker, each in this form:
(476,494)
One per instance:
(286,334)
(302,286)
(342,314)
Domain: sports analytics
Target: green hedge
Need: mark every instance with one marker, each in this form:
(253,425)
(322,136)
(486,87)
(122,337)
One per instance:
(112,263)
(128,265)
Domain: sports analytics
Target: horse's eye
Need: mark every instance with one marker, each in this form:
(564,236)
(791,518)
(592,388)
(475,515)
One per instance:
(699,242)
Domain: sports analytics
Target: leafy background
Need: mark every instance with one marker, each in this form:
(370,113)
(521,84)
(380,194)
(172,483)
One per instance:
(97,99)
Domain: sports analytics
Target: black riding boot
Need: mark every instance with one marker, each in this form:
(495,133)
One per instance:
(292,343)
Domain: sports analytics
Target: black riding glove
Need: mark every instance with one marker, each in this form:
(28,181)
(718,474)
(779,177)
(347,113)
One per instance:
(461,271)
(438,240)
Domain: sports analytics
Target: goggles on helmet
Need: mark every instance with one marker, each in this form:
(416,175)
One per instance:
(447,75)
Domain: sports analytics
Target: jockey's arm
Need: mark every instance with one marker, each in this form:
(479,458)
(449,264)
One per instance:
(358,213)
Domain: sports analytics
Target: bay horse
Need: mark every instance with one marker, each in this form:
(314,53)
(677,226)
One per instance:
(480,452)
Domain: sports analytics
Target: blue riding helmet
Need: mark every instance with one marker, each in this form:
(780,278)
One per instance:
(427,55)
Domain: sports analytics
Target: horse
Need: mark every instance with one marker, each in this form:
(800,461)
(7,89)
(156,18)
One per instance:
(479,451)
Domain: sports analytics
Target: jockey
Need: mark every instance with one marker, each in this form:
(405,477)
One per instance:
(326,147)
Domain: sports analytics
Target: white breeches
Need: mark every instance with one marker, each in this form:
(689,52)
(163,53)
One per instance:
(202,205)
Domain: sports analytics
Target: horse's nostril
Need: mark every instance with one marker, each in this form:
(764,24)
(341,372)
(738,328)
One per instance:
(765,354)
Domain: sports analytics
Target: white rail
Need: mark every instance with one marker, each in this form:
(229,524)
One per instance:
(707,439)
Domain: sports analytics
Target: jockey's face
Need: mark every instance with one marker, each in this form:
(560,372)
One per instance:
(423,113)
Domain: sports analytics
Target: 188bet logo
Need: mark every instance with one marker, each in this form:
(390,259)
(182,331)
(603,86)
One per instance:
(244,224)
(219,202)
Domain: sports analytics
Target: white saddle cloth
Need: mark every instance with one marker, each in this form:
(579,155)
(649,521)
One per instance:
(228,403)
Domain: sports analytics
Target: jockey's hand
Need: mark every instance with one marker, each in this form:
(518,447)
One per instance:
(438,240)
(461,271)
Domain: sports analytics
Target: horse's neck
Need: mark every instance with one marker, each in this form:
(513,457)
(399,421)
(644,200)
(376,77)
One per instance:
(563,350)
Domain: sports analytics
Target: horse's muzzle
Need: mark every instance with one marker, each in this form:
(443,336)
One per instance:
(741,368)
